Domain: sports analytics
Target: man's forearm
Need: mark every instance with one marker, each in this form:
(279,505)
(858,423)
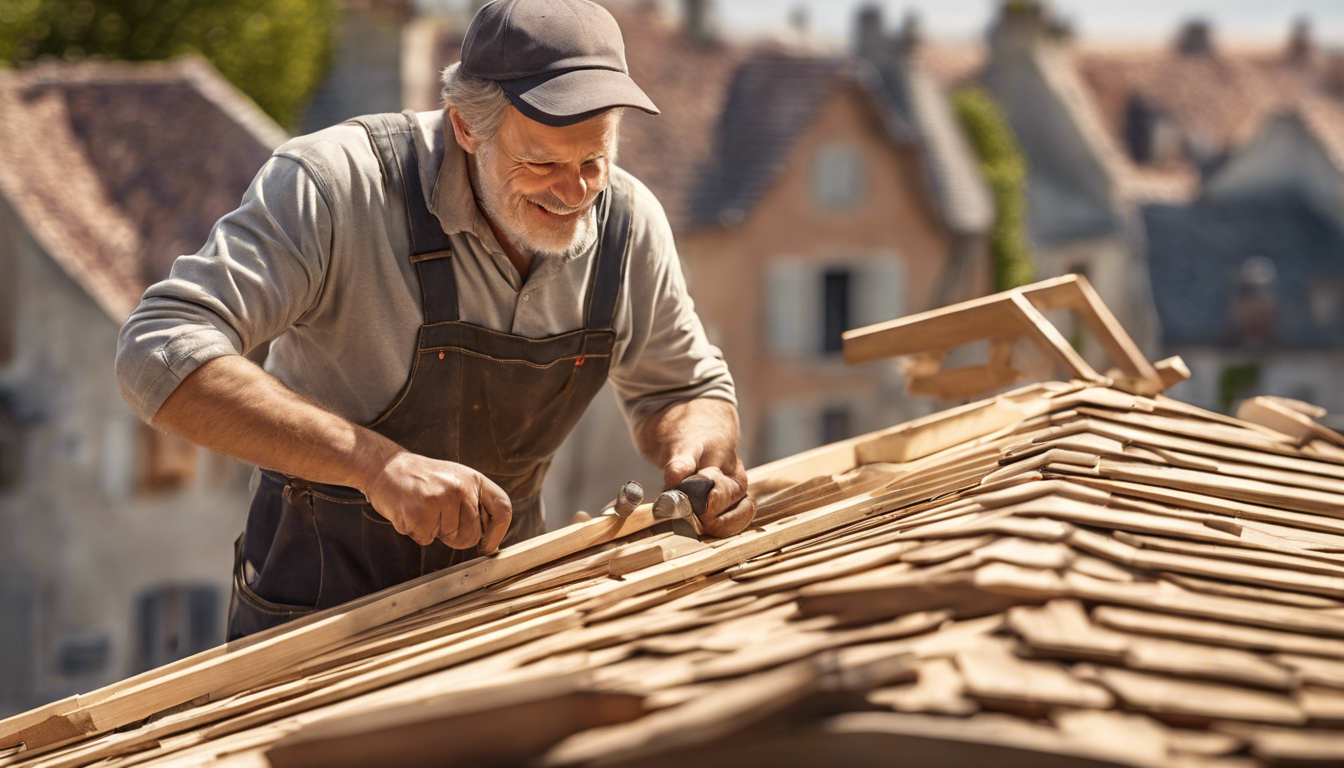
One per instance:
(707,422)
(231,406)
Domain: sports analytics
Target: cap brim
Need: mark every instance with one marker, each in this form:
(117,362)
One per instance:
(574,96)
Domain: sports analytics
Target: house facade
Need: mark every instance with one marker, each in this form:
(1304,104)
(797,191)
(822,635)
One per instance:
(114,538)
(831,224)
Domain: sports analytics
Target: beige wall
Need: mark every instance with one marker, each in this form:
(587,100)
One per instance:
(77,525)
(727,267)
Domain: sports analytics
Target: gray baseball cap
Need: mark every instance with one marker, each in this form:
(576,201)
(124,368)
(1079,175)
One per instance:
(559,61)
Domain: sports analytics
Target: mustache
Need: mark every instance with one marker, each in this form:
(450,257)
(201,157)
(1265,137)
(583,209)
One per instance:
(552,203)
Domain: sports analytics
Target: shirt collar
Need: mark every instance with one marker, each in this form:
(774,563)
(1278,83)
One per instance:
(452,200)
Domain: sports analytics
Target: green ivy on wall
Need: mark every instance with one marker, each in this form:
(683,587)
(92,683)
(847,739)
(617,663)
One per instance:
(1005,169)
(275,51)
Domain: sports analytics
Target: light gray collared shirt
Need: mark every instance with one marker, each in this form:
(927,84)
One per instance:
(313,262)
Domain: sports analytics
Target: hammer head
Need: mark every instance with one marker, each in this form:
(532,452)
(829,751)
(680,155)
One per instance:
(630,496)
(674,506)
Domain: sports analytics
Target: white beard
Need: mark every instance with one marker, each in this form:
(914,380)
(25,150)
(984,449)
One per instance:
(508,215)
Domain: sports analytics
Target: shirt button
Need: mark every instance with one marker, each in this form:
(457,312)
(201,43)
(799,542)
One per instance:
(527,297)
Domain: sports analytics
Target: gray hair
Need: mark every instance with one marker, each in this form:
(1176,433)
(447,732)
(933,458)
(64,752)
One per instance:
(481,103)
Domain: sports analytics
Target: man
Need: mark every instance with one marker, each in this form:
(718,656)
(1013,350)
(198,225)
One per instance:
(443,295)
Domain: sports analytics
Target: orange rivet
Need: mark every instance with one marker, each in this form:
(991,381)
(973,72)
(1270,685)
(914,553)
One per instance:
(440,355)
(578,361)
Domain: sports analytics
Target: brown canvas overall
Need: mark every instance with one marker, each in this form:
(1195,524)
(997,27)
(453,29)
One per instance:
(498,403)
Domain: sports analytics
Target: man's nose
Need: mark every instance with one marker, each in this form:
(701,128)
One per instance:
(571,188)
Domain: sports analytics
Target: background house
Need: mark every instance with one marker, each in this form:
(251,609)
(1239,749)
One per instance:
(114,538)
(1160,170)
(1244,246)
(808,194)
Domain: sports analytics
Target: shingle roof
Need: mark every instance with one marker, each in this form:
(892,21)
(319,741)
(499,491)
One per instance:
(1196,250)
(689,82)
(116,169)
(1217,101)
(1065,575)
(954,170)
(771,101)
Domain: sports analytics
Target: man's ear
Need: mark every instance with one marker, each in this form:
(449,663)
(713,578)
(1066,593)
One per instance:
(462,132)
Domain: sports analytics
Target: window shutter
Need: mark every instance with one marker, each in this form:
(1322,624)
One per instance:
(879,287)
(790,428)
(792,306)
(18,634)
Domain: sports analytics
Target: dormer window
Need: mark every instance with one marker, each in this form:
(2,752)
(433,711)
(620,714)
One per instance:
(838,177)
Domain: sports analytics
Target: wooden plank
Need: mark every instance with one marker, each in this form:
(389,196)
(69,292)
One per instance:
(1224,486)
(1049,339)
(731,708)
(467,730)
(955,427)
(1215,587)
(938,690)
(996,678)
(1079,296)
(1061,627)
(1215,632)
(258,657)
(1189,701)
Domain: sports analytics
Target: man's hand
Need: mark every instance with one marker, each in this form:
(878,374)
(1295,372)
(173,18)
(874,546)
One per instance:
(700,437)
(428,499)
(231,406)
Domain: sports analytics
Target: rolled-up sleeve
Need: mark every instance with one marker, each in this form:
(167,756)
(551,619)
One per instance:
(668,358)
(259,271)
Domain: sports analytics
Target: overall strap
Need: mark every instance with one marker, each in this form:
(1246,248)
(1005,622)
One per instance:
(393,137)
(614,215)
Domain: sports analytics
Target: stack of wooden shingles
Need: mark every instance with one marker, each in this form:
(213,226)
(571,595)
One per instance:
(1066,575)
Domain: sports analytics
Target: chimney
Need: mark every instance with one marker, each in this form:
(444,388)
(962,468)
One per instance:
(695,20)
(869,40)
(911,34)
(1195,38)
(1022,24)
(1300,46)
(798,21)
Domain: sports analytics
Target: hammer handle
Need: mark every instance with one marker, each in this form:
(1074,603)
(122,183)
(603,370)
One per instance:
(697,488)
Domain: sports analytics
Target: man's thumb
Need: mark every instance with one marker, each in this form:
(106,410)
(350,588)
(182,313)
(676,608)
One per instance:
(678,469)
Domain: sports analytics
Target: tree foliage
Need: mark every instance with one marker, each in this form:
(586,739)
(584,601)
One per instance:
(275,51)
(1005,169)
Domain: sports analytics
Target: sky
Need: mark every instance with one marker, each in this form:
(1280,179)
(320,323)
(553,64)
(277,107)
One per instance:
(1154,21)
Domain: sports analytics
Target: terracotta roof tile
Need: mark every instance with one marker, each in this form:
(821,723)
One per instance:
(116,169)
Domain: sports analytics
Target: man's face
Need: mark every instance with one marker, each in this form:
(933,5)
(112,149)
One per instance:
(538,183)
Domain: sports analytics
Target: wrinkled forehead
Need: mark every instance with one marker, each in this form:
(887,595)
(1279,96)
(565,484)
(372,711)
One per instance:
(533,141)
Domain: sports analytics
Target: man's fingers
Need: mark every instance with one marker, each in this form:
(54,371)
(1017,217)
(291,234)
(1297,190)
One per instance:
(732,521)
(681,466)
(497,513)
(468,532)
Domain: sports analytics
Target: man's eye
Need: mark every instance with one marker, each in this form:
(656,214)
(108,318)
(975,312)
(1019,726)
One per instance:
(540,168)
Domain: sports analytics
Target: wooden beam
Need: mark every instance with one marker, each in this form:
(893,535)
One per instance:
(258,657)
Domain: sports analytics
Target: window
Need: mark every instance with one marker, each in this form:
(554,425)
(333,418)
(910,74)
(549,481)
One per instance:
(838,177)
(9,299)
(11,447)
(18,630)
(175,621)
(808,304)
(835,309)
(169,460)
(83,656)
(837,423)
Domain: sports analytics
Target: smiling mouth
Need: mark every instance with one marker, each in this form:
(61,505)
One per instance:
(555,216)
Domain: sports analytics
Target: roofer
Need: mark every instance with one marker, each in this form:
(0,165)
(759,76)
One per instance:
(443,294)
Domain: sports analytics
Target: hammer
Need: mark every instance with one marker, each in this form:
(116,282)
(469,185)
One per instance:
(688,501)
